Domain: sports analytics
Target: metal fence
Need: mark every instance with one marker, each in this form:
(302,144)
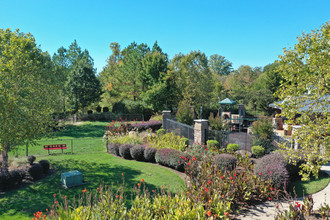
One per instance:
(221,136)
(180,129)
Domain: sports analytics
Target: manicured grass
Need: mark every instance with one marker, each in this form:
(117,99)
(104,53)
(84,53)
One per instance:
(302,188)
(96,165)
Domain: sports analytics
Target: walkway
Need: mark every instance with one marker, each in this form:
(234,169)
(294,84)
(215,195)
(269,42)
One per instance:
(267,210)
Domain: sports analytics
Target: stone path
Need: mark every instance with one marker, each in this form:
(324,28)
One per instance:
(267,210)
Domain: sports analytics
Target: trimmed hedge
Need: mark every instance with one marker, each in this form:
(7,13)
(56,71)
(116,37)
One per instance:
(114,149)
(124,151)
(11,179)
(137,152)
(153,125)
(232,147)
(225,161)
(161,132)
(258,151)
(31,159)
(35,171)
(213,143)
(172,158)
(149,154)
(45,165)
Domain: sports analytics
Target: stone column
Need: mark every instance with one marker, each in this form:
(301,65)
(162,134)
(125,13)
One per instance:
(166,115)
(199,130)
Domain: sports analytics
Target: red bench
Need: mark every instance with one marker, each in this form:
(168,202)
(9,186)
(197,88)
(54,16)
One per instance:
(55,147)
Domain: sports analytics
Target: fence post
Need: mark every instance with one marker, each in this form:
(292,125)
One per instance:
(199,130)
(27,148)
(166,115)
(71,146)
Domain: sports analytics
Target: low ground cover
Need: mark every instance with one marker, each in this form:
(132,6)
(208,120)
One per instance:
(89,157)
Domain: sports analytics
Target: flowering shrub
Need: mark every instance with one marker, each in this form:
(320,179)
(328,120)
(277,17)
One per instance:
(137,152)
(126,139)
(35,171)
(153,125)
(171,158)
(45,165)
(200,151)
(258,151)
(149,154)
(225,161)
(168,140)
(114,148)
(302,210)
(117,128)
(125,151)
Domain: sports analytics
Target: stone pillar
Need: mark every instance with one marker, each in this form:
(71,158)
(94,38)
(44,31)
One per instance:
(166,115)
(199,130)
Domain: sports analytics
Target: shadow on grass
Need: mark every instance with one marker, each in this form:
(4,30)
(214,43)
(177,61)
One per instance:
(40,195)
(82,131)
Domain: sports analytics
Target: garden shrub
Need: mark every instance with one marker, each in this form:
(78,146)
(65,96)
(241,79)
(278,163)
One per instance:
(258,151)
(172,158)
(149,154)
(200,151)
(225,161)
(45,165)
(89,112)
(143,126)
(105,109)
(137,152)
(213,143)
(35,171)
(274,171)
(244,153)
(161,132)
(263,134)
(31,159)
(185,141)
(124,151)
(232,147)
(114,148)
(11,179)
(185,113)
(215,122)
(126,139)
(168,140)
(98,108)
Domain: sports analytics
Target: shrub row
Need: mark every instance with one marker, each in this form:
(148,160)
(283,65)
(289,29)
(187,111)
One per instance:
(172,158)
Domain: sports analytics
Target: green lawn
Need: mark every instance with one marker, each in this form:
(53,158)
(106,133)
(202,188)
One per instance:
(91,159)
(302,188)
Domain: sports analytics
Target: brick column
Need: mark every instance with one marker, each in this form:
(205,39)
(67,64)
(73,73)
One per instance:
(199,130)
(166,115)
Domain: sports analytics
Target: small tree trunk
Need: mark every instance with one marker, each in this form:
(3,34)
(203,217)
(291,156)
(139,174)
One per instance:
(4,153)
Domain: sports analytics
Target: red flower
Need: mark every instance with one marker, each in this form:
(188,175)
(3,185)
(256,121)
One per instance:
(260,173)
(205,189)
(221,177)
(122,174)
(231,178)
(235,174)
(277,206)
(209,182)
(298,205)
(271,188)
(209,213)
(270,199)
(226,214)
(142,180)
(270,172)
(139,184)
(84,190)
(117,196)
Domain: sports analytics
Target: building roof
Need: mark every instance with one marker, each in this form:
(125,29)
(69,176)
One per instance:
(227,101)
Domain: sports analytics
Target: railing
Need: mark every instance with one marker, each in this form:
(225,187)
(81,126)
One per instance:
(180,129)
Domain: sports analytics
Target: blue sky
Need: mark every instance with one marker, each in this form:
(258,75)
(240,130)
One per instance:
(246,32)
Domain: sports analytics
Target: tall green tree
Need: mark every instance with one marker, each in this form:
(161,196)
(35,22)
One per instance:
(192,77)
(306,91)
(27,91)
(220,65)
(83,86)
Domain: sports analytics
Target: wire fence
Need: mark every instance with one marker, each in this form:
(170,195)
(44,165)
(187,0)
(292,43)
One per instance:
(73,146)
(180,129)
(221,136)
